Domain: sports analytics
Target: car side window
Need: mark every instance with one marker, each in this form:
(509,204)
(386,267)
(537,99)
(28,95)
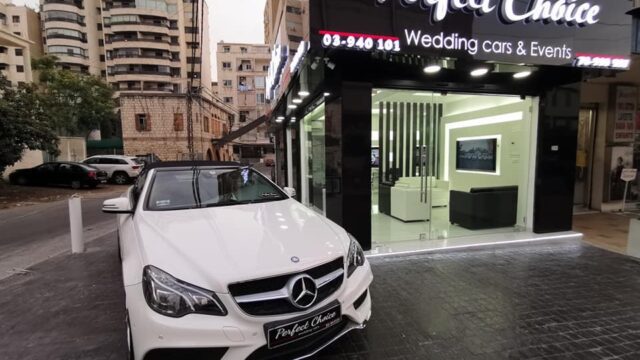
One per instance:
(122,162)
(65,168)
(137,188)
(46,168)
(91,161)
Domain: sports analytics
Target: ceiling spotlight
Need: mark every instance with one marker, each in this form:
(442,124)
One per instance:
(297,101)
(293,106)
(480,72)
(432,69)
(303,93)
(522,74)
(293,119)
(327,94)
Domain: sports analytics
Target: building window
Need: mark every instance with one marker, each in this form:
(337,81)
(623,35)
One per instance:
(20,68)
(244,115)
(193,60)
(178,122)
(260,99)
(103,73)
(15,19)
(227,83)
(226,49)
(191,30)
(265,67)
(243,50)
(100,42)
(18,52)
(259,82)
(102,59)
(99,27)
(226,65)
(193,75)
(98,10)
(142,122)
(228,100)
(294,10)
(206,124)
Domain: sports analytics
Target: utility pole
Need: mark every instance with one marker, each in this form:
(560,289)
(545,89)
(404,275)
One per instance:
(195,20)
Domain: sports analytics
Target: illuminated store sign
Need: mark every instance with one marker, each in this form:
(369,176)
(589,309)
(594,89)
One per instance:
(338,39)
(570,12)
(279,58)
(534,32)
(299,56)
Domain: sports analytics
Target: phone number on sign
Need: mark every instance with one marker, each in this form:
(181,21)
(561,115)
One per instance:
(360,41)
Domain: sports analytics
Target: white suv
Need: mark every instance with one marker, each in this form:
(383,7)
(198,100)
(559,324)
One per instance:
(120,169)
(220,263)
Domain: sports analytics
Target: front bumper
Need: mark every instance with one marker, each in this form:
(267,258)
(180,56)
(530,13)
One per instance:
(242,334)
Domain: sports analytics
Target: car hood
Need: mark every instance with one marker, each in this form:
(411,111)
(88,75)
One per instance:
(217,246)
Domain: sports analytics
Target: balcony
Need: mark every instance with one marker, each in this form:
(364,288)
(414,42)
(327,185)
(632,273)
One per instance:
(65,19)
(66,37)
(75,3)
(139,72)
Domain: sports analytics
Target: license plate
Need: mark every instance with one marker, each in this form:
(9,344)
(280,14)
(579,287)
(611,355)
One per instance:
(280,334)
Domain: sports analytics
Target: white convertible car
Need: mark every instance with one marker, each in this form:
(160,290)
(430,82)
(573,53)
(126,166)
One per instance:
(220,263)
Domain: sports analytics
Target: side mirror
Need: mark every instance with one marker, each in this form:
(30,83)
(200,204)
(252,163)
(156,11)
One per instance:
(117,206)
(290,191)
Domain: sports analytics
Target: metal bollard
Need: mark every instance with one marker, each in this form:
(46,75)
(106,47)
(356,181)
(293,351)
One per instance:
(75,221)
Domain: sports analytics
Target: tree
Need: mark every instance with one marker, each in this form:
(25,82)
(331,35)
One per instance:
(25,123)
(78,103)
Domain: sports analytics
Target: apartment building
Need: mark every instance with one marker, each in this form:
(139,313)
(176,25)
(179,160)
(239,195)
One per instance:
(242,70)
(148,46)
(284,22)
(19,40)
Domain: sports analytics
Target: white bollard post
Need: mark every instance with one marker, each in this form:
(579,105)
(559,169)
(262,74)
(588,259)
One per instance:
(75,221)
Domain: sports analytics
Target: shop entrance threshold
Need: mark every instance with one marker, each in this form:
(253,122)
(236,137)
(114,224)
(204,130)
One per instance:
(428,246)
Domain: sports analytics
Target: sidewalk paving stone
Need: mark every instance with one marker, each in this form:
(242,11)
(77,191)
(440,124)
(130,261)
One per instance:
(536,301)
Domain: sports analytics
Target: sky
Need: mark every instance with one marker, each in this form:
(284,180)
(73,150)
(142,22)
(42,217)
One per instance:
(229,21)
(235,21)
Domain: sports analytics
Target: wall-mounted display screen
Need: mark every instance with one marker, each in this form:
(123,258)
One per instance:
(375,157)
(477,155)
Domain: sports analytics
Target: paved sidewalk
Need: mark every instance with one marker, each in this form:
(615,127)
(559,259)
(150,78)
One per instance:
(538,301)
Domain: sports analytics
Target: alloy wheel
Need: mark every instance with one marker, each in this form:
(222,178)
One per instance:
(120,179)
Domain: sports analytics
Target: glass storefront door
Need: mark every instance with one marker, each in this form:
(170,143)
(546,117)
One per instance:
(448,165)
(312,164)
(584,158)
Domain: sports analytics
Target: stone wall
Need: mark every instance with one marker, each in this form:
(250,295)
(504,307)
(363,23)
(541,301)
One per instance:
(164,130)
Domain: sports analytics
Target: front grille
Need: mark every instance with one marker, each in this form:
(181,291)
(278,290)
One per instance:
(301,347)
(282,305)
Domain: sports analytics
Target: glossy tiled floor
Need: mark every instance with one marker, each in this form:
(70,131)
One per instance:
(605,230)
(541,301)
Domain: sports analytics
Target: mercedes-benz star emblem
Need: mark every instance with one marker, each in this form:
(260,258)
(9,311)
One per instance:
(302,291)
(295,259)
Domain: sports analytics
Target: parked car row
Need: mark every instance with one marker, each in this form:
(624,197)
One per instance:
(90,172)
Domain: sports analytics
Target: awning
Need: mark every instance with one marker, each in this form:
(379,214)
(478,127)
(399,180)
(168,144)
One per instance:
(219,143)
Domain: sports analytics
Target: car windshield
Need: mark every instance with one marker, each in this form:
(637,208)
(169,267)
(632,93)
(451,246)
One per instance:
(209,187)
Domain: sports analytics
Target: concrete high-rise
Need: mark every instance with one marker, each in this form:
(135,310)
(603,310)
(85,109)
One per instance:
(242,71)
(19,40)
(149,46)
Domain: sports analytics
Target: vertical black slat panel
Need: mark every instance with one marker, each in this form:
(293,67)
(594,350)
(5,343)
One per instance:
(408,138)
(381,141)
(387,140)
(438,137)
(421,141)
(415,136)
(428,136)
(432,146)
(401,134)
(395,142)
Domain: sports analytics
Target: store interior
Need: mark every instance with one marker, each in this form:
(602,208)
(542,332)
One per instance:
(449,165)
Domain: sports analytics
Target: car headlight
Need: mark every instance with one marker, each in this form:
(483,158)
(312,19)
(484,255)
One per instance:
(356,256)
(169,296)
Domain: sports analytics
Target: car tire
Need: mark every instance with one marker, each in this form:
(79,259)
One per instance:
(130,349)
(76,184)
(21,180)
(120,178)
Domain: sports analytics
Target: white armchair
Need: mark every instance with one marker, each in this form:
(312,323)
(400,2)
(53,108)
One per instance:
(406,204)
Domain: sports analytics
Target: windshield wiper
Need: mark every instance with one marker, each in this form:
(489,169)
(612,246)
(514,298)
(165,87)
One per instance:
(223,203)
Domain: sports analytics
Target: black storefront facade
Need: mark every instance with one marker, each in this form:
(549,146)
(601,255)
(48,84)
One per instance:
(366,120)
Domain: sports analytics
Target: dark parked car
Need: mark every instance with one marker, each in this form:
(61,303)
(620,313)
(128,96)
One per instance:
(71,174)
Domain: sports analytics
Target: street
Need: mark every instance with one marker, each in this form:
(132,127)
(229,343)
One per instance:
(554,300)
(34,233)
